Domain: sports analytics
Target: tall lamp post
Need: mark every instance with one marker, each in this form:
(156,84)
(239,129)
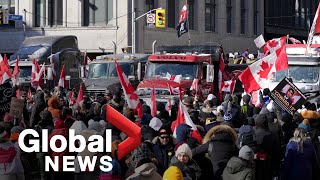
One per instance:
(134,19)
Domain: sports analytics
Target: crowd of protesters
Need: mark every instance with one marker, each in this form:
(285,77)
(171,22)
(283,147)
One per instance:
(240,140)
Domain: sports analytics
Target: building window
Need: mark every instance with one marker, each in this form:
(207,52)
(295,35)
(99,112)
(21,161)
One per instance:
(149,5)
(55,10)
(171,13)
(210,15)
(255,17)
(229,16)
(97,13)
(191,16)
(243,17)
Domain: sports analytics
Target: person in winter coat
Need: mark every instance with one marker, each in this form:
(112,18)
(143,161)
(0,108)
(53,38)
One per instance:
(206,113)
(146,117)
(53,107)
(144,168)
(163,150)
(183,135)
(39,106)
(269,155)
(300,158)
(10,163)
(242,167)
(183,160)
(220,144)
(246,108)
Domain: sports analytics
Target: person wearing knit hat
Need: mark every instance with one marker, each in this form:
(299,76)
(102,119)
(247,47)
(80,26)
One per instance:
(241,167)
(173,173)
(183,160)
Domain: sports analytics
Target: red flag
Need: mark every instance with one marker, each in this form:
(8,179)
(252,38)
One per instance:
(71,99)
(80,95)
(315,28)
(274,44)
(220,76)
(130,95)
(5,72)
(182,26)
(258,74)
(18,95)
(168,104)
(294,40)
(228,86)
(153,102)
(62,81)
(176,78)
(15,73)
(194,85)
(184,118)
(38,76)
(174,91)
(35,69)
(29,95)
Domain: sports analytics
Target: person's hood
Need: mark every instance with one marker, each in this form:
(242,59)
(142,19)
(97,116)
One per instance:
(39,97)
(53,103)
(236,165)
(220,129)
(182,132)
(310,114)
(147,169)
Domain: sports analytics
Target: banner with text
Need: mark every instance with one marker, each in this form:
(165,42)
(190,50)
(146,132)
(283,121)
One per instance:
(6,93)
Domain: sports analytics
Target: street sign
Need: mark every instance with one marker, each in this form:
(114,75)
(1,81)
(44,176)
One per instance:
(151,18)
(13,17)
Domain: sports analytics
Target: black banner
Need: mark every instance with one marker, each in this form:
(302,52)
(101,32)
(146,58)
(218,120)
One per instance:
(288,96)
(182,27)
(6,92)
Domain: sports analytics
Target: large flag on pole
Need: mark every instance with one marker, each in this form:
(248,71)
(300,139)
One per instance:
(80,95)
(315,28)
(182,26)
(258,74)
(15,73)
(131,97)
(62,81)
(5,72)
(153,102)
(228,86)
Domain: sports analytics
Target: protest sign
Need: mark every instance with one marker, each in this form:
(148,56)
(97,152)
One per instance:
(287,96)
(16,107)
(6,93)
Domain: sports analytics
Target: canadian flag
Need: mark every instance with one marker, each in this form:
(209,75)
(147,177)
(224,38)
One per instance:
(153,102)
(184,118)
(294,40)
(220,76)
(168,104)
(71,99)
(130,95)
(274,44)
(258,74)
(173,90)
(35,69)
(176,78)
(228,86)
(38,77)
(259,41)
(80,95)
(5,72)
(315,28)
(15,73)
(62,81)
(194,85)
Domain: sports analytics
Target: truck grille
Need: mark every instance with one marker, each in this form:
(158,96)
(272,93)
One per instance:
(96,91)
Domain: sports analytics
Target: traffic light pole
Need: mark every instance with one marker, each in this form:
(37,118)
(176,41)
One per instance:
(134,19)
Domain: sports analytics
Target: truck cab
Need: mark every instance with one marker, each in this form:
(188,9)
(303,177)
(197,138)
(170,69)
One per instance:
(190,62)
(303,68)
(102,74)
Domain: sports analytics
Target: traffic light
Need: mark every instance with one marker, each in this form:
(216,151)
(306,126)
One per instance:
(161,18)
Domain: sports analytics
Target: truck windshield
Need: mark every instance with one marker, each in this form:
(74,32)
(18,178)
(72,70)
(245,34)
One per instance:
(107,70)
(186,70)
(299,74)
(23,52)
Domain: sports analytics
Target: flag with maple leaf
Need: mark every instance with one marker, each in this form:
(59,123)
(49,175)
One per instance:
(130,96)
(194,85)
(274,44)
(174,90)
(62,81)
(5,72)
(80,95)
(258,74)
(175,78)
(228,86)
(315,28)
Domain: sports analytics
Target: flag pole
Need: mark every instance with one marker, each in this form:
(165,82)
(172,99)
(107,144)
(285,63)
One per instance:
(189,41)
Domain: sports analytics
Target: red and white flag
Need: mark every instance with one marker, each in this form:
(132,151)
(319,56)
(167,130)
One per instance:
(29,95)
(15,73)
(220,76)
(194,85)
(130,95)
(176,78)
(38,77)
(173,90)
(294,40)
(71,98)
(153,102)
(168,108)
(18,95)
(80,95)
(258,74)
(184,118)
(5,72)
(35,69)
(259,41)
(228,86)
(62,81)
(274,44)
(315,28)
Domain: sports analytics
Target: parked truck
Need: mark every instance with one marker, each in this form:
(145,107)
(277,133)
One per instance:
(51,50)
(102,74)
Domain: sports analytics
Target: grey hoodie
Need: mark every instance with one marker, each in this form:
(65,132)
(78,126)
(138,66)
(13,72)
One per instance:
(147,171)
(238,169)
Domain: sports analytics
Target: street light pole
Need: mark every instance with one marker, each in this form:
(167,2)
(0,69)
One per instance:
(134,19)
